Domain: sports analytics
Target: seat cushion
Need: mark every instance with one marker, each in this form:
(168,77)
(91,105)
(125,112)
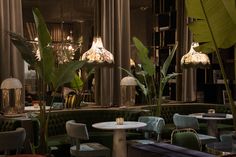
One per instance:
(206,138)
(141,141)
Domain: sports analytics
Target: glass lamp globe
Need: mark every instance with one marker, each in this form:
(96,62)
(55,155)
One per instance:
(11,96)
(127,85)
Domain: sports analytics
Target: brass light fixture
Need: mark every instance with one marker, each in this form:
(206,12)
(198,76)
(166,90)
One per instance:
(97,53)
(194,59)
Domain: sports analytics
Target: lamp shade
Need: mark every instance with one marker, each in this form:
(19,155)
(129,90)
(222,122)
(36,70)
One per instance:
(194,59)
(11,96)
(128,81)
(132,63)
(11,83)
(97,53)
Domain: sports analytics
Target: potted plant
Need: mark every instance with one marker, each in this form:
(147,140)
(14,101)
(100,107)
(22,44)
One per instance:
(48,72)
(76,89)
(148,85)
(214,28)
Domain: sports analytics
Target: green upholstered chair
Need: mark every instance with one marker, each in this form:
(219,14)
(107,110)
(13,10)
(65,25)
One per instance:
(186,121)
(154,127)
(187,138)
(78,132)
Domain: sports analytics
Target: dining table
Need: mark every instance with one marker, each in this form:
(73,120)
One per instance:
(221,148)
(212,119)
(119,136)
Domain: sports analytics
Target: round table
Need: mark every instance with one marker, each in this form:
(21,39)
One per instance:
(32,108)
(119,137)
(212,120)
(220,148)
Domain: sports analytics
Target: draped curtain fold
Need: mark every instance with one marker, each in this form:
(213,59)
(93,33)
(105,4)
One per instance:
(188,80)
(11,63)
(115,32)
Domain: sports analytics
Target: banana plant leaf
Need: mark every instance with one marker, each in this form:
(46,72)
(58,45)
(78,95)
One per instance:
(168,60)
(77,83)
(142,53)
(167,78)
(142,86)
(47,62)
(24,47)
(222,23)
(65,73)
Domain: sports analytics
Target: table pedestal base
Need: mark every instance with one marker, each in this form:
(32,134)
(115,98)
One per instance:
(119,144)
(212,128)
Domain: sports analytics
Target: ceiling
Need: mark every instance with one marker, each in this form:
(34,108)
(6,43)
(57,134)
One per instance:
(70,10)
(60,10)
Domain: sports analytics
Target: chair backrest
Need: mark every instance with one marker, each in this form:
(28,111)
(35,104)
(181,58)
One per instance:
(187,138)
(185,121)
(154,124)
(77,130)
(12,140)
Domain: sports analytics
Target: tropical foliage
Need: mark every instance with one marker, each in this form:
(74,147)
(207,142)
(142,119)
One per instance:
(149,86)
(213,26)
(51,74)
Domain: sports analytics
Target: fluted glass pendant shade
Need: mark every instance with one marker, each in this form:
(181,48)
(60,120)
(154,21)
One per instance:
(194,59)
(97,53)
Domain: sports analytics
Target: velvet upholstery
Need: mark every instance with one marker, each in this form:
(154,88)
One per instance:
(12,140)
(187,138)
(185,121)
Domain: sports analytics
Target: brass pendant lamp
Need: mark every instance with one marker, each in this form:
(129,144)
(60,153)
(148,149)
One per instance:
(194,59)
(97,53)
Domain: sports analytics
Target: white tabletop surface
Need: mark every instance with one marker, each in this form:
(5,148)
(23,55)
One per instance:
(32,108)
(113,126)
(199,116)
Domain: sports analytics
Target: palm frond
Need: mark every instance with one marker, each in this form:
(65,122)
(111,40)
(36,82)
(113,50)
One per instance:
(221,25)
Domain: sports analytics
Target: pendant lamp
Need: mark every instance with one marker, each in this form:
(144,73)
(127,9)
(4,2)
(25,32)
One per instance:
(194,59)
(97,53)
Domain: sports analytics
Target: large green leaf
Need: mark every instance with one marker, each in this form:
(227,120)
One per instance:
(65,73)
(24,47)
(142,86)
(168,60)
(76,83)
(47,62)
(221,23)
(142,52)
(168,78)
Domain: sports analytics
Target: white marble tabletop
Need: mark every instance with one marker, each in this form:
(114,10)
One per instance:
(201,116)
(32,108)
(113,126)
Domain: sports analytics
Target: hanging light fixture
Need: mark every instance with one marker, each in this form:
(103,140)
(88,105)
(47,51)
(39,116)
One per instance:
(194,59)
(97,53)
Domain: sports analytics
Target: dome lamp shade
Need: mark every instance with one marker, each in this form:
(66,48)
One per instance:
(194,59)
